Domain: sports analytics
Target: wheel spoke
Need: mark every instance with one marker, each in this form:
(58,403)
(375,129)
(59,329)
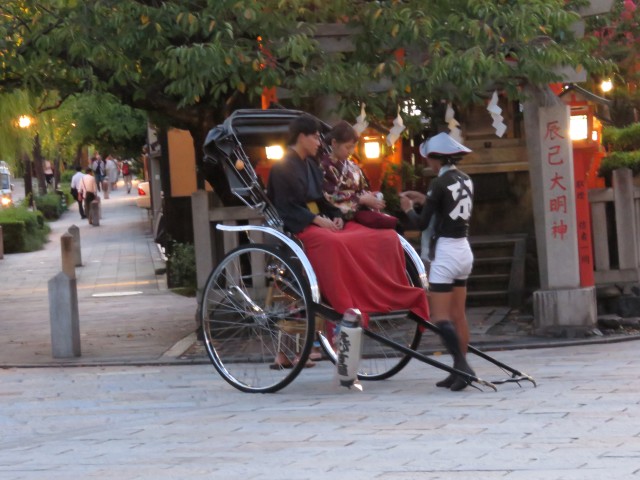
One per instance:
(253,306)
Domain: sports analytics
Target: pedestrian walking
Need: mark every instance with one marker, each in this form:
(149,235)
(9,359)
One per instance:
(99,170)
(75,190)
(111,169)
(126,175)
(88,193)
(48,173)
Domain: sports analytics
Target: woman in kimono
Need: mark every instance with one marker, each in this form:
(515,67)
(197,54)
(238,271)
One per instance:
(372,278)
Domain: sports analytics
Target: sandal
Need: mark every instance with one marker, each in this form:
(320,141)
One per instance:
(281,362)
(281,366)
(308,364)
(316,354)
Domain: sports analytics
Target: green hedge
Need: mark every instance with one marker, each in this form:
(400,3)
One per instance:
(65,177)
(50,205)
(616,160)
(23,230)
(181,267)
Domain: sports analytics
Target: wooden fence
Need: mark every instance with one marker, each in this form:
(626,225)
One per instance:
(615,225)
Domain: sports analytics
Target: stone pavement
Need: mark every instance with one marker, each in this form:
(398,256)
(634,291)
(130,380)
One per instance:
(160,422)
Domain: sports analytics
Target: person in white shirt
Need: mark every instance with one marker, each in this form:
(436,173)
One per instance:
(75,184)
(88,191)
(111,173)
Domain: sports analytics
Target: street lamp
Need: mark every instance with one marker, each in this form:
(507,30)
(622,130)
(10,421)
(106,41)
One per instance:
(24,122)
(606,85)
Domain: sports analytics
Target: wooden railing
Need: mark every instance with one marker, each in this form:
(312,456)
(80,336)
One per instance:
(615,226)
(211,244)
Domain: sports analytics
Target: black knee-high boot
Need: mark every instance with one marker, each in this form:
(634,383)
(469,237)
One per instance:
(452,344)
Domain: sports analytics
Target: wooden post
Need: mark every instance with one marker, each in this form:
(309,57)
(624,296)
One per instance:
(202,237)
(625,226)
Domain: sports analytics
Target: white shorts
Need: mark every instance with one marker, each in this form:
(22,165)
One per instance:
(452,264)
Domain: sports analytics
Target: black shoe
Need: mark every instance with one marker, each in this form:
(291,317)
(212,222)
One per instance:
(461,383)
(447,382)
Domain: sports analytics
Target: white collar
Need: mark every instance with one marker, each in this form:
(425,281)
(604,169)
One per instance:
(445,168)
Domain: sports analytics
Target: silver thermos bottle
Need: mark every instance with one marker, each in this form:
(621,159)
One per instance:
(349,340)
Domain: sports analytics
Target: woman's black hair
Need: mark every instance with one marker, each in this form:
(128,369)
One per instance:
(304,124)
(446,159)
(342,132)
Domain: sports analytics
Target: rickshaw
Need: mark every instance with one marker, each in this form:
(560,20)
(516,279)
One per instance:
(263,297)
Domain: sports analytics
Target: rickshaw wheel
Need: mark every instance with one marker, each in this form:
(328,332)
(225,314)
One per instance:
(256,303)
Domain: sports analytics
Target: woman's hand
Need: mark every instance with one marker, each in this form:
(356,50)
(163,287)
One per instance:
(372,201)
(405,203)
(324,222)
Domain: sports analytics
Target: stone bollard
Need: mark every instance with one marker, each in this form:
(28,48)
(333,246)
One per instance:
(105,190)
(63,316)
(68,255)
(1,244)
(95,213)
(74,231)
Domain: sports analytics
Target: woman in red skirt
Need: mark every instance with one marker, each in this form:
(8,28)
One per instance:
(356,266)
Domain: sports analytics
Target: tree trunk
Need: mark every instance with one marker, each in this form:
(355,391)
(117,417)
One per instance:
(78,157)
(56,170)
(39,167)
(28,182)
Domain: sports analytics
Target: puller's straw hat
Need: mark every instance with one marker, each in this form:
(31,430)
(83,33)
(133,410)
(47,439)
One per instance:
(443,145)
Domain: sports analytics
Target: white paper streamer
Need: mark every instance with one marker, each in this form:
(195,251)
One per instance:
(452,123)
(496,115)
(396,130)
(361,121)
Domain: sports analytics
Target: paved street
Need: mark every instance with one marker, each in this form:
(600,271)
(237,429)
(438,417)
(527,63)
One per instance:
(127,314)
(184,422)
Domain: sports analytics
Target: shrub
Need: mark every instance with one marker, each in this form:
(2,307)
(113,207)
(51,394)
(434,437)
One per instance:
(616,160)
(65,177)
(181,267)
(50,205)
(23,230)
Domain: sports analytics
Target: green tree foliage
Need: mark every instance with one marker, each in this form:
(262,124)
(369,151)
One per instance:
(191,61)
(618,35)
(99,119)
(14,140)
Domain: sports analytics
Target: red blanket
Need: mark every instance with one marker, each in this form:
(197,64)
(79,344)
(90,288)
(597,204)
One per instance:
(362,268)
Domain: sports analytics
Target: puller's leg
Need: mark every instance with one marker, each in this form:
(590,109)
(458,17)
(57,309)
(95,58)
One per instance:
(443,311)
